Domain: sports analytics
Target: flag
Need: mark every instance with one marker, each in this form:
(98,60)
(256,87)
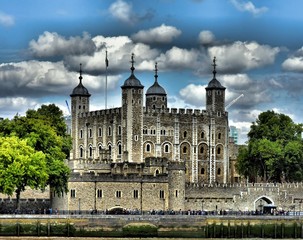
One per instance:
(106,60)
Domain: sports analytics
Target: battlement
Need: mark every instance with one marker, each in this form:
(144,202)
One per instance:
(155,161)
(176,111)
(177,165)
(117,177)
(103,112)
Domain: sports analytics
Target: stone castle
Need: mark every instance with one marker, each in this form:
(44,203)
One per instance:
(148,156)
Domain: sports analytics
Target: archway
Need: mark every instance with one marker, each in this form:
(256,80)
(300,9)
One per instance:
(264,205)
(117,210)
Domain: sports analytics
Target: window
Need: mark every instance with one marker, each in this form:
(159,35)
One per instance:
(99,132)
(166,148)
(90,151)
(185,134)
(202,134)
(99,193)
(219,136)
(119,149)
(73,193)
(219,171)
(118,194)
(136,138)
(161,194)
(81,134)
(109,131)
(81,152)
(202,171)
(136,194)
(90,133)
(119,130)
(219,150)
(176,193)
(184,149)
(202,150)
(148,147)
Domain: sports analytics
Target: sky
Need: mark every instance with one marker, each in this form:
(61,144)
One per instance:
(258,45)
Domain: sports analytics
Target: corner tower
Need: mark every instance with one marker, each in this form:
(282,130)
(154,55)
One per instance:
(215,94)
(79,104)
(155,97)
(132,117)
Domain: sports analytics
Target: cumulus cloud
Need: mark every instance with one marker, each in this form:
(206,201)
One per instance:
(242,56)
(193,94)
(6,20)
(52,44)
(123,11)
(294,64)
(161,34)
(248,7)
(206,37)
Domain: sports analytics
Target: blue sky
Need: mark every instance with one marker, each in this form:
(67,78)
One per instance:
(258,45)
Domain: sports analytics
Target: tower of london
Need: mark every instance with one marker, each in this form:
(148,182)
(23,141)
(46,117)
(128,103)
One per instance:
(143,154)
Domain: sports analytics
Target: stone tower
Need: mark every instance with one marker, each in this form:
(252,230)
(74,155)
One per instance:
(155,96)
(176,185)
(132,117)
(79,104)
(218,125)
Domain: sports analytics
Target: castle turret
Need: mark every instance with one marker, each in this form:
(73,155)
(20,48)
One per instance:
(79,104)
(132,117)
(176,182)
(156,96)
(215,94)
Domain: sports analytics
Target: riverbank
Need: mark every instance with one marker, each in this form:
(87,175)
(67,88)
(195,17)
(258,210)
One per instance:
(176,226)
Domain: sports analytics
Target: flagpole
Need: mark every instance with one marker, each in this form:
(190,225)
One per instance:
(106,66)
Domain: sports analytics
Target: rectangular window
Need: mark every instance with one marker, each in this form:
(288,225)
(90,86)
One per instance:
(162,196)
(99,193)
(118,194)
(136,194)
(73,193)
(176,193)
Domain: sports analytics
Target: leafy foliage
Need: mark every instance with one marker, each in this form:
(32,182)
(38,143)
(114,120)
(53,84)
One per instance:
(45,131)
(274,151)
(20,166)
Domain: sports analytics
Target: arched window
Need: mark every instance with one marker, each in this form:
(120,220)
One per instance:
(166,148)
(147,147)
(202,171)
(119,149)
(109,131)
(219,150)
(154,106)
(99,132)
(184,149)
(157,172)
(219,171)
(202,149)
(219,135)
(110,150)
(202,134)
(185,134)
(81,152)
(90,151)
(119,130)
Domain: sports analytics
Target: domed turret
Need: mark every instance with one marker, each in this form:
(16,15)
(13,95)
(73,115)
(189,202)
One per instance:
(80,90)
(156,97)
(132,81)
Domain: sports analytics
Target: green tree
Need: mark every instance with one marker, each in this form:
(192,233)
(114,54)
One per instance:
(20,166)
(43,135)
(274,150)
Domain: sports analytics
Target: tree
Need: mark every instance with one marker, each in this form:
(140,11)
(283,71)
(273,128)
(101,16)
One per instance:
(43,134)
(20,166)
(274,151)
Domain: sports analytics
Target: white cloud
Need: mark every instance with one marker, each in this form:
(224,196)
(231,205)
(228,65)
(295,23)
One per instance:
(242,56)
(161,34)
(206,37)
(248,7)
(52,44)
(294,64)
(6,20)
(194,95)
(122,11)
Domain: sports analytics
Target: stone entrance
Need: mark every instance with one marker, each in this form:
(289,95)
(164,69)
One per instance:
(264,204)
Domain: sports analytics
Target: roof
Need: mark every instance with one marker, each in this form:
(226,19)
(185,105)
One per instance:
(80,90)
(132,82)
(215,84)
